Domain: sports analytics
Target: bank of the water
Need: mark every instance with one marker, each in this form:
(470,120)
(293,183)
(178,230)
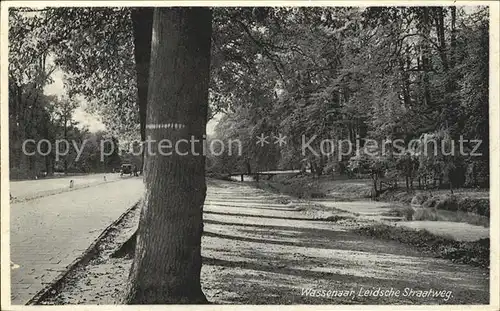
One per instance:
(351,196)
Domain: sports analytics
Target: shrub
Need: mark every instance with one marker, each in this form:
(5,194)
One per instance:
(219,176)
(403,197)
(317,195)
(405,212)
(431,202)
(336,218)
(425,214)
(408,212)
(419,198)
(475,253)
(449,203)
(476,206)
(479,206)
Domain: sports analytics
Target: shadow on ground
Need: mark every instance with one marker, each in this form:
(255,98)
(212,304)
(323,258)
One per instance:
(257,250)
(274,256)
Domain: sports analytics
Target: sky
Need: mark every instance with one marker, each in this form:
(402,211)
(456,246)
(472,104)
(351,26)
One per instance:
(83,118)
(92,122)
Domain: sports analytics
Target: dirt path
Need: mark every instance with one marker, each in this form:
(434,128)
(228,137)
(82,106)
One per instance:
(260,249)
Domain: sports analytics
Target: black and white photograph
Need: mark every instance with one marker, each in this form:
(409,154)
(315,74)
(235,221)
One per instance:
(231,153)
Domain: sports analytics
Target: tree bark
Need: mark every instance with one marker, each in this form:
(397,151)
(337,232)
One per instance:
(453,40)
(425,55)
(142,22)
(440,29)
(167,261)
(249,168)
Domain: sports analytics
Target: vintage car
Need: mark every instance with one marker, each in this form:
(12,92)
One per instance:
(126,169)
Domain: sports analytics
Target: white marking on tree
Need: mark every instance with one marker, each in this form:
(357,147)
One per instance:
(176,126)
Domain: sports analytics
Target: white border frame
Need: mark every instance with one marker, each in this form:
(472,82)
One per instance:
(494,112)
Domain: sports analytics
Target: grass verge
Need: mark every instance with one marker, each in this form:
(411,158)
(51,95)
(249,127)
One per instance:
(466,205)
(472,201)
(409,213)
(310,187)
(475,253)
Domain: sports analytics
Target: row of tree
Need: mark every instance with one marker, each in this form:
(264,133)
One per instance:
(37,120)
(350,73)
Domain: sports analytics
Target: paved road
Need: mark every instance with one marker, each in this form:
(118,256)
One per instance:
(31,188)
(48,233)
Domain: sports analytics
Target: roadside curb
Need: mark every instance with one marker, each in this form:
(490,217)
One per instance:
(85,256)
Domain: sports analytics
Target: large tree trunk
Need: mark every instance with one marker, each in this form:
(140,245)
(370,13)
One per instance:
(453,39)
(142,21)
(426,59)
(167,261)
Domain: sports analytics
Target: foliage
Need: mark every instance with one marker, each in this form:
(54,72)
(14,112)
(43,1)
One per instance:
(347,73)
(95,50)
(340,73)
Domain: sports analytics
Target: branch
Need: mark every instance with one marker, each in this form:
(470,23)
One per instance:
(420,35)
(261,47)
(28,10)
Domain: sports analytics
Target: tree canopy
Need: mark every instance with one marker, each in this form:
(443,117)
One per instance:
(335,72)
